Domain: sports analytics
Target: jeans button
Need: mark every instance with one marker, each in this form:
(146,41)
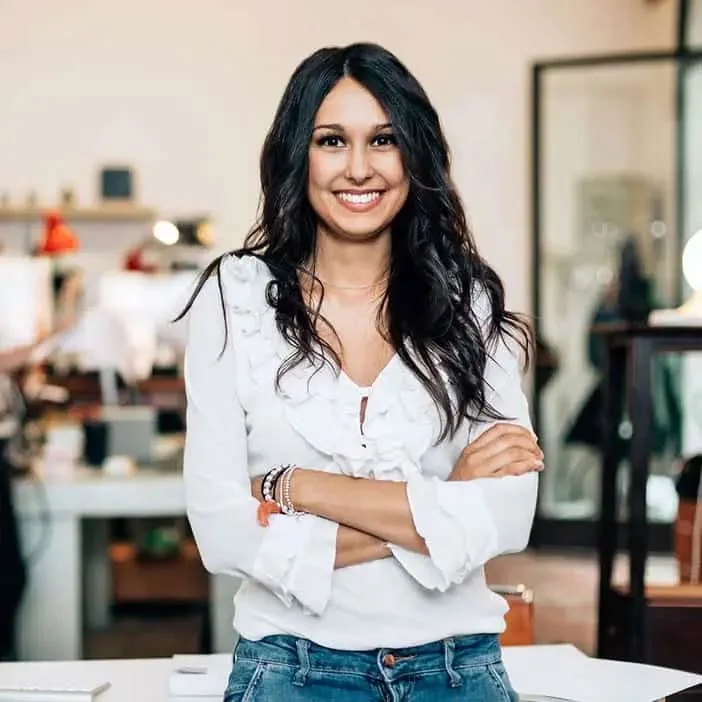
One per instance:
(389,660)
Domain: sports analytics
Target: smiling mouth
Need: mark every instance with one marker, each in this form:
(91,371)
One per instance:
(359,201)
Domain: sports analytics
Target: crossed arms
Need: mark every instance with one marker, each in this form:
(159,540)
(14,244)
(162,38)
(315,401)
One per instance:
(439,531)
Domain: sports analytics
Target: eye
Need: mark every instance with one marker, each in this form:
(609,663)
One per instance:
(384,140)
(333,141)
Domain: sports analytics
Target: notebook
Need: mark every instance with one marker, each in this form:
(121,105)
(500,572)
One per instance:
(49,692)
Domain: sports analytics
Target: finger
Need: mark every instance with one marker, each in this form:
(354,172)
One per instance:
(499,429)
(505,461)
(504,444)
(521,468)
(508,428)
(502,430)
(495,466)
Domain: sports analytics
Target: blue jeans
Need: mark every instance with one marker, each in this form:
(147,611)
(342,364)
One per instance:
(288,669)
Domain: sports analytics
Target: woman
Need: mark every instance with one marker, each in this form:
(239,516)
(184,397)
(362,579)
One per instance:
(13,571)
(355,362)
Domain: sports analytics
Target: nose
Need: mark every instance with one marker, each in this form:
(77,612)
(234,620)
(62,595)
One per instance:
(359,167)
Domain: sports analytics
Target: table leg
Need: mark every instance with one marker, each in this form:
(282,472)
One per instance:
(50,618)
(614,374)
(641,419)
(97,576)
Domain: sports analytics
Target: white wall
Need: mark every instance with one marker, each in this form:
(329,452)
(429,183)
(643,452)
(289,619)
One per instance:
(185,91)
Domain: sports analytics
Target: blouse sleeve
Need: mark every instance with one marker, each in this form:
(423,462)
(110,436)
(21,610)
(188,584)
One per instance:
(294,556)
(466,524)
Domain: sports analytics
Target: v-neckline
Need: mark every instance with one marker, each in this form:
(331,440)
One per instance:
(368,388)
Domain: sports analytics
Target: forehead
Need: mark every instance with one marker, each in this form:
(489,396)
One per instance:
(351,105)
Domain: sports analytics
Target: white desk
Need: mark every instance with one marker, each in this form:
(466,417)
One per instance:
(130,680)
(533,669)
(70,582)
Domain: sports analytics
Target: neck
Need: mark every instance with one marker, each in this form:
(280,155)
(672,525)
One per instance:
(349,265)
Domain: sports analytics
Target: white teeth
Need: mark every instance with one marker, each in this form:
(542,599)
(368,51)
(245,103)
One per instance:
(359,198)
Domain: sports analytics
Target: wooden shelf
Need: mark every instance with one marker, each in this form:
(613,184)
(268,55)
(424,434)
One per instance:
(181,578)
(115,212)
(685,592)
(164,392)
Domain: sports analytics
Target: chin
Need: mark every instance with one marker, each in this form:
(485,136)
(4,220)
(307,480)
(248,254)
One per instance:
(359,231)
(367,225)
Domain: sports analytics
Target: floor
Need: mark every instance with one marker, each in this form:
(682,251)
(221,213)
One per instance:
(564,588)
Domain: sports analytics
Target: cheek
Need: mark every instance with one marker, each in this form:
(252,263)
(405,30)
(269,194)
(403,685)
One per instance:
(405,186)
(320,172)
(394,171)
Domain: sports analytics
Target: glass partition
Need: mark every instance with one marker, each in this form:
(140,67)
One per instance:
(607,209)
(691,216)
(693,31)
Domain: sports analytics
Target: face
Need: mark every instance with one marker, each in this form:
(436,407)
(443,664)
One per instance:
(357,181)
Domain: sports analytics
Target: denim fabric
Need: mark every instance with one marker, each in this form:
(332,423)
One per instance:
(288,669)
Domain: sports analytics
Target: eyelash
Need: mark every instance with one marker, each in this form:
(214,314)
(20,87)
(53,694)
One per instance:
(324,141)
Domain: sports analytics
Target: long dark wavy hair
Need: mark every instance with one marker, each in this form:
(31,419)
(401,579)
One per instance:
(436,273)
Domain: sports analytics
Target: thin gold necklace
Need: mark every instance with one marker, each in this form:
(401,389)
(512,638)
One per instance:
(352,287)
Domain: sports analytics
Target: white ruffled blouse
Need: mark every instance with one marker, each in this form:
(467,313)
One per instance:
(239,425)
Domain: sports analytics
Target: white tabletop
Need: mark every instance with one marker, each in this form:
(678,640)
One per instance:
(559,670)
(91,493)
(83,491)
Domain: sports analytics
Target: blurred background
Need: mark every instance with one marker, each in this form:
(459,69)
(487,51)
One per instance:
(129,142)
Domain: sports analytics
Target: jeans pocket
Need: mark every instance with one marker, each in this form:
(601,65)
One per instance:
(502,682)
(484,683)
(243,679)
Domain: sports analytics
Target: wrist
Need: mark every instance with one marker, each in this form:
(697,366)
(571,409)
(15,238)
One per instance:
(300,489)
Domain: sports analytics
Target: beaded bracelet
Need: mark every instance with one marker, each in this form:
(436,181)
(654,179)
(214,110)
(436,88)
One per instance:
(269,505)
(286,503)
(270,482)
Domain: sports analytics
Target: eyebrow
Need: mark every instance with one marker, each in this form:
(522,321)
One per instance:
(340,128)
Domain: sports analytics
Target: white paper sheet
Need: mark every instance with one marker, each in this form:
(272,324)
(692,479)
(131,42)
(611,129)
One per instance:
(563,671)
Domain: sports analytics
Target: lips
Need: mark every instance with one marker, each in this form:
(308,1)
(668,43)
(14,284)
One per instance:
(359,201)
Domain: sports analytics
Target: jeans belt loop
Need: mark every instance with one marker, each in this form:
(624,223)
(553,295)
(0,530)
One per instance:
(455,680)
(300,677)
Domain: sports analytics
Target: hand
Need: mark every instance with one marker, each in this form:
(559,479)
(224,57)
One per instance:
(504,449)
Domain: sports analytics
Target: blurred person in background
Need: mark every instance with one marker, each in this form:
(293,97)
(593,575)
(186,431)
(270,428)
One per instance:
(358,445)
(14,362)
(12,567)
